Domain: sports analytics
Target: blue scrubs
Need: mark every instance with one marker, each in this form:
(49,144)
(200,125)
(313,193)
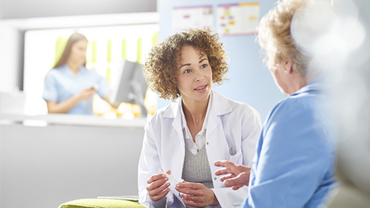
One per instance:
(61,84)
(294,163)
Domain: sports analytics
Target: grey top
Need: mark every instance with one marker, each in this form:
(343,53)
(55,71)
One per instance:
(196,168)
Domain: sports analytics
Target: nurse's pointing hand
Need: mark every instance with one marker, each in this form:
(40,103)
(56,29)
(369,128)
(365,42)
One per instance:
(236,177)
(196,194)
(157,187)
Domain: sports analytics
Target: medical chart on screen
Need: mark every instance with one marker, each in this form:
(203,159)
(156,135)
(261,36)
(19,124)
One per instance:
(192,17)
(238,19)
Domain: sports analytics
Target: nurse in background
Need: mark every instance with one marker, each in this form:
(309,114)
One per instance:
(186,137)
(69,86)
(294,163)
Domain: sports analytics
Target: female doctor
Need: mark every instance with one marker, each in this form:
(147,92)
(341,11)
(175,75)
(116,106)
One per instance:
(69,86)
(185,138)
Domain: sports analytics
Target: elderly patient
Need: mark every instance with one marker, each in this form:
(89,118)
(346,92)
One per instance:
(186,137)
(293,165)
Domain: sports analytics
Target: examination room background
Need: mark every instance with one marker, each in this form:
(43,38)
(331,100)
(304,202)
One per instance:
(47,166)
(250,80)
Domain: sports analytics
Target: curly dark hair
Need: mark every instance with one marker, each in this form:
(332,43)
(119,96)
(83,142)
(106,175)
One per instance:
(161,65)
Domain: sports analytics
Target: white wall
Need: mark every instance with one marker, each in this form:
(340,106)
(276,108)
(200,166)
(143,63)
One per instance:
(14,9)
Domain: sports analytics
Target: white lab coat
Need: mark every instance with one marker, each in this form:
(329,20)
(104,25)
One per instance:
(231,124)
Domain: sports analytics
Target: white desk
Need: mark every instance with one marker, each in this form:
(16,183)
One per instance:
(72,157)
(81,120)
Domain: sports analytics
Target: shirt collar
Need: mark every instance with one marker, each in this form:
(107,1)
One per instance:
(67,70)
(314,85)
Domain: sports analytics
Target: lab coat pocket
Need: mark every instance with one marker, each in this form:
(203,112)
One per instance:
(236,158)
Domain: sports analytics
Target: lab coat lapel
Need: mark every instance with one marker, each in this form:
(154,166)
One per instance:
(174,113)
(220,106)
(178,155)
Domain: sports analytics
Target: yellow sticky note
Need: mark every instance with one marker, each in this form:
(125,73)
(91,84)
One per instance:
(252,18)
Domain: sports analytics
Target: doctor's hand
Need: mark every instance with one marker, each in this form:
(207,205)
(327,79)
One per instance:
(196,194)
(85,94)
(238,175)
(157,187)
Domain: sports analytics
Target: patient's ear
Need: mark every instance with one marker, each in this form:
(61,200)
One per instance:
(288,65)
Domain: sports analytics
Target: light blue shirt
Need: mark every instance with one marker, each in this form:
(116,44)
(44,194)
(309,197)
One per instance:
(61,84)
(294,162)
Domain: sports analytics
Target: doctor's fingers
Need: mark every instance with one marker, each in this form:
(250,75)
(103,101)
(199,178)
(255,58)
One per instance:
(156,177)
(190,185)
(229,167)
(189,191)
(154,189)
(237,187)
(156,184)
(194,198)
(230,176)
(240,180)
(223,171)
(224,163)
(195,203)
(159,193)
(206,198)
(191,200)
